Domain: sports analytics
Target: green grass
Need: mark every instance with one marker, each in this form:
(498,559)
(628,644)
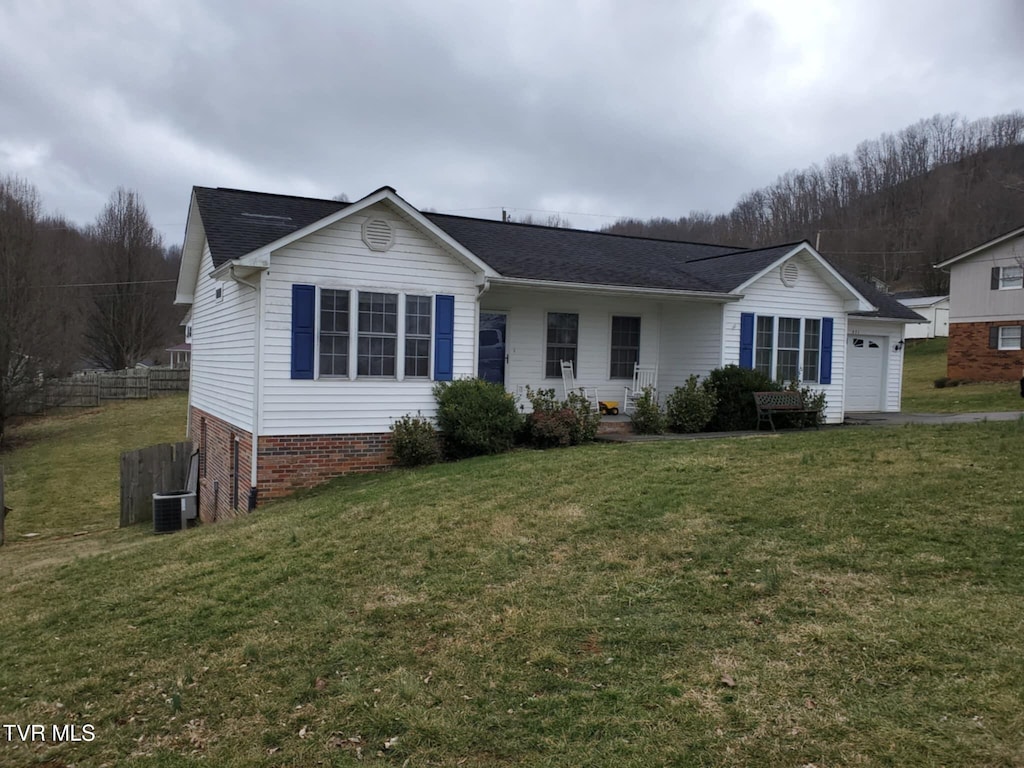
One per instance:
(924,361)
(842,597)
(61,477)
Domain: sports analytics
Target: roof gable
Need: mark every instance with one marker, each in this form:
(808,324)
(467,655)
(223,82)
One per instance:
(1019,232)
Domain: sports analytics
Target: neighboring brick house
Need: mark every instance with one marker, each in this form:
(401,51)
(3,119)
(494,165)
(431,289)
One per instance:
(316,324)
(986,310)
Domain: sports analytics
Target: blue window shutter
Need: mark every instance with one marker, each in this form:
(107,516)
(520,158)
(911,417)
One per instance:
(826,350)
(303,326)
(747,340)
(444,337)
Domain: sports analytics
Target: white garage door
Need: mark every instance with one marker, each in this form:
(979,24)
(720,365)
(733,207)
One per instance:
(865,366)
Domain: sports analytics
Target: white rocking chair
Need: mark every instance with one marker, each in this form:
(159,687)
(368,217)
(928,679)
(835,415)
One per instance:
(569,385)
(644,377)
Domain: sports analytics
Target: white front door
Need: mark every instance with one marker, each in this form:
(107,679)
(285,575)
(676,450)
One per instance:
(865,372)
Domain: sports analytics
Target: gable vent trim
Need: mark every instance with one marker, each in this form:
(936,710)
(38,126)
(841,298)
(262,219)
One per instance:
(790,274)
(378,234)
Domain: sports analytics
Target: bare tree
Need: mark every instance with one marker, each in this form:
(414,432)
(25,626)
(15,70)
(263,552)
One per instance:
(124,319)
(32,314)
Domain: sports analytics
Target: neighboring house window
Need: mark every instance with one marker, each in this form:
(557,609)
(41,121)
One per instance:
(563,338)
(625,346)
(417,335)
(378,333)
(1009,277)
(334,325)
(788,348)
(1009,337)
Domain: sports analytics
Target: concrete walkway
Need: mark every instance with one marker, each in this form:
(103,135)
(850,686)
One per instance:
(852,420)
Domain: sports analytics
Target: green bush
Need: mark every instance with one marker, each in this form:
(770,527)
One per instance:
(809,399)
(647,416)
(560,422)
(476,417)
(690,407)
(734,388)
(414,441)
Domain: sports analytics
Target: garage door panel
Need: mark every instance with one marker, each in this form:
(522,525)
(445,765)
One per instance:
(865,369)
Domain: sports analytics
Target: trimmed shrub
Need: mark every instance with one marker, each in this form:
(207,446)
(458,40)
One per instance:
(555,423)
(476,417)
(810,399)
(734,388)
(414,441)
(690,407)
(647,416)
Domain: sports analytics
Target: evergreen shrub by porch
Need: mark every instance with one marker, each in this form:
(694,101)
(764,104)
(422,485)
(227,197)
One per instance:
(735,388)
(647,416)
(690,407)
(476,417)
(414,441)
(560,422)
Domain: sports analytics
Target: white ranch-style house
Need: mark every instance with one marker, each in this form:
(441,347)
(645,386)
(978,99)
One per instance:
(316,323)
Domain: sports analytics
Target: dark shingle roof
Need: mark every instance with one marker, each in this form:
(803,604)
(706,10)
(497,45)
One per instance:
(886,306)
(238,222)
(580,256)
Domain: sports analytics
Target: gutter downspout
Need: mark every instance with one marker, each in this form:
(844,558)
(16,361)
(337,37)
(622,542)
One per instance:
(257,358)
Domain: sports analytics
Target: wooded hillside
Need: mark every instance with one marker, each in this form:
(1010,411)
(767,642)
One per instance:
(899,204)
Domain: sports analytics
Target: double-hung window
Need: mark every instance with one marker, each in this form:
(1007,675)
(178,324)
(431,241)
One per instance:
(625,347)
(562,341)
(1010,277)
(334,330)
(788,348)
(417,335)
(1009,337)
(378,334)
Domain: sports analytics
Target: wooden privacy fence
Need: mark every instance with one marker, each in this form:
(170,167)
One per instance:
(147,471)
(89,390)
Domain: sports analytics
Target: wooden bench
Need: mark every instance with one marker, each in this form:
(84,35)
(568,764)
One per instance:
(787,402)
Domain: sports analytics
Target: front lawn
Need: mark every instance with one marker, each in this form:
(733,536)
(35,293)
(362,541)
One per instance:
(924,361)
(842,597)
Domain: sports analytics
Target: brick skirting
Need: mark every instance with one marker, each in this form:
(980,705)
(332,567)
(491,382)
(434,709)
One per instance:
(288,463)
(970,357)
(222,495)
(285,463)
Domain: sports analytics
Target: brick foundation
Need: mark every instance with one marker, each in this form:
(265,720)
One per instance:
(220,498)
(288,463)
(970,357)
(285,463)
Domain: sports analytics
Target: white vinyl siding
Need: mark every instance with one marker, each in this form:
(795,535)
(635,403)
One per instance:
(337,258)
(223,336)
(811,297)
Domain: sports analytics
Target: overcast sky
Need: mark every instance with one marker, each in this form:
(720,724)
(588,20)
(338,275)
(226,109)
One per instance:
(615,108)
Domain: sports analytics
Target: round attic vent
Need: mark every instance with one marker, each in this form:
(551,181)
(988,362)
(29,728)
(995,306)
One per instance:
(790,274)
(378,234)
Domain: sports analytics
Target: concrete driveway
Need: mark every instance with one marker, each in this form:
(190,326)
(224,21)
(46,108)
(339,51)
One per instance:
(884,419)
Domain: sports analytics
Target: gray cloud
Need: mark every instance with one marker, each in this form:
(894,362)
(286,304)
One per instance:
(642,109)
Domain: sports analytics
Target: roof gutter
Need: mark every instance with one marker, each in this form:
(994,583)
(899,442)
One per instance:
(631,290)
